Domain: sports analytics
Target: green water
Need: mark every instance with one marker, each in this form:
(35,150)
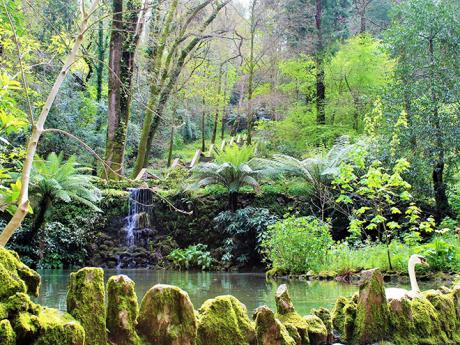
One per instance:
(251,289)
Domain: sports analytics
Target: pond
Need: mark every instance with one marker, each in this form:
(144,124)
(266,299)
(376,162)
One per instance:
(250,288)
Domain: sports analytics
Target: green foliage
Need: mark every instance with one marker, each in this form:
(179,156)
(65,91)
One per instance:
(378,197)
(355,77)
(195,256)
(231,170)
(297,245)
(298,132)
(442,253)
(246,230)
(301,73)
(57,179)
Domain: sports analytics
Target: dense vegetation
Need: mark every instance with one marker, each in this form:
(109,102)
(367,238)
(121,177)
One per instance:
(328,131)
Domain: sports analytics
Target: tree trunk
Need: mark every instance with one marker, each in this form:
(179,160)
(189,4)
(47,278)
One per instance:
(126,31)
(152,119)
(216,114)
(320,94)
(37,130)
(233,201)
(439,187)
(203,125)
(320,85)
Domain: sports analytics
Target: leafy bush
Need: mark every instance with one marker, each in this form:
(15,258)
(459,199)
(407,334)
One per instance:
(297,245)
(195,256)
(441,253)
(246,229)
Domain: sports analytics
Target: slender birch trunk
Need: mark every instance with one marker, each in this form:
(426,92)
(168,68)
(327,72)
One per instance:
(37,130)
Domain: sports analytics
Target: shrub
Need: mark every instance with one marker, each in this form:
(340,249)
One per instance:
(297,244)
(246,228)
(195,256)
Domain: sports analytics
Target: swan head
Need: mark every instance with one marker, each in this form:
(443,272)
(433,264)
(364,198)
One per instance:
(418,259)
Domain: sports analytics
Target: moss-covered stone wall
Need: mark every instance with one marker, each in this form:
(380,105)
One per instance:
(167,316)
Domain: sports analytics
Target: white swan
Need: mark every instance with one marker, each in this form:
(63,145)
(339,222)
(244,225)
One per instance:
(398,293)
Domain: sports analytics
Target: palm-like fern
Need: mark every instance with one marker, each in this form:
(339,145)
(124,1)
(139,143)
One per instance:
(231,169)
(55,179)
(314,169)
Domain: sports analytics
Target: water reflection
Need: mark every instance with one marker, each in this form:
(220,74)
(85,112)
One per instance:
(251,289)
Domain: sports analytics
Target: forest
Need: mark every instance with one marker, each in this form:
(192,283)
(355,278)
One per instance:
(226,147)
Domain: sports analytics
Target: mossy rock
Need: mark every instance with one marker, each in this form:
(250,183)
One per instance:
(56,327)
(7,335)
(86,303)
(447,315)
(402,322)
(283,300)
(269,330)
(48,327)
(298,322)
(122,311)
(167,317)
(16,277)
(426,322)
(325,316)
(317,331)
(224,321)
(372,313)
(343,317)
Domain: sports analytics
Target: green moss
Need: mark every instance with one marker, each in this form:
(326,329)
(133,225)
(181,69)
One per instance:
(58,328)
(426,322)
(327,275)
(372,314)
(293,333)
(447,315)
(325,316)
(224,321)
(401,322)
(167,316)
(298,322)
(122,311)
(7,335)
(16,277)
(269,330)
(86,303)
(317,331)
(3,311)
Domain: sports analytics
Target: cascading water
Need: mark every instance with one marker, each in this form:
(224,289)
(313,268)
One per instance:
(139,213)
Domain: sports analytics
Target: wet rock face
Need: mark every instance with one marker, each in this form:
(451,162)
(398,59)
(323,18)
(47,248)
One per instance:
(122,311)
(167,317)
(224,321)
(269,330)
(372,315)
(283,300)
(86,303)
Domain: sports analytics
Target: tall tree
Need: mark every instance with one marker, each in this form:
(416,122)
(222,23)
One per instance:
(127,26)
(168,59)
(425,37)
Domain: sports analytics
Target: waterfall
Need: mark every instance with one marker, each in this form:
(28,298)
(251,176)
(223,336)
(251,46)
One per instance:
(139,212)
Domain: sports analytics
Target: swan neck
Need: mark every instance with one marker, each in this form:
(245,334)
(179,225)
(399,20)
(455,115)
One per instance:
(412,277)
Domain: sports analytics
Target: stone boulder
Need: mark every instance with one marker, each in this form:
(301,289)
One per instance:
(86,303)
(224,321)
(283,300)
(269,330)
(25,322)
(325,316)
(372,314)
(167,317)
(122,311)
(16,277)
